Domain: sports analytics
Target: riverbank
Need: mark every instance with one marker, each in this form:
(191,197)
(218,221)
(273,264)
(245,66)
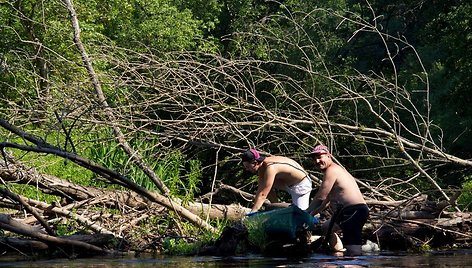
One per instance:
(400,229)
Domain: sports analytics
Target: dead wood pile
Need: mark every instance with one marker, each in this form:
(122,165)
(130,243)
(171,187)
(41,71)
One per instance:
(109,220)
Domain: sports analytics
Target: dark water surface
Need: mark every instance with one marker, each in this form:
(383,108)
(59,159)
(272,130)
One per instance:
(457,258)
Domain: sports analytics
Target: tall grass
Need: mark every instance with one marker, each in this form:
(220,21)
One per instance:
(46,164)
(256,234)
(180,175)
(31,191)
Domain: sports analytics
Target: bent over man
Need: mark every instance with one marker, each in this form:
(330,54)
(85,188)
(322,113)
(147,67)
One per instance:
(277,172)
(340,190)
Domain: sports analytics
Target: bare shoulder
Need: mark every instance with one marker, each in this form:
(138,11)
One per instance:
(341,174)
(277,158)
(334,169)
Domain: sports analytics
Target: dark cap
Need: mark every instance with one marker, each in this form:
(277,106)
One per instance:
(319,149)
(252,155)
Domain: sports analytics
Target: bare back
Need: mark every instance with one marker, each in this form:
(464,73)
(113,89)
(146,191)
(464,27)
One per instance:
(287,171)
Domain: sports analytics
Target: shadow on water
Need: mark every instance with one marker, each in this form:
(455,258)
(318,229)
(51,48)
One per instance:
(457,258)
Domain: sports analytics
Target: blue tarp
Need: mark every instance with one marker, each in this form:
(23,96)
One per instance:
(282,224)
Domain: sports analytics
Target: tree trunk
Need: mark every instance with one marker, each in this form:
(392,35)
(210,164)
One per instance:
(9,224)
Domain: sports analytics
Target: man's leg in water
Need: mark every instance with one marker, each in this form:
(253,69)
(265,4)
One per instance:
(334,242)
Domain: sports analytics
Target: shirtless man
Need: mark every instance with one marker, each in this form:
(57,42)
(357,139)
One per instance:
(277,172)
(339,189)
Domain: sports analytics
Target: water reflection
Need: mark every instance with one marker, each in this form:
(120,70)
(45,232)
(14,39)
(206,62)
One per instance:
(459,258)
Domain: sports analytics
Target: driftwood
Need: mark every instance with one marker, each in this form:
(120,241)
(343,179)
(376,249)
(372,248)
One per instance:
(303,126)
(402,234)
(22,201)
(396,224)
(75,205)
(27,245)
(9,224)
(226,194)
(112,176)
(119,136)
(8,220)
(21,245)
(80,195)
(217,211)
(392,223)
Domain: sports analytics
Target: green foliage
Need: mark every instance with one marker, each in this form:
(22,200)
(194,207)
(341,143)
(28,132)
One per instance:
(55,165)
(68,228)
(206,11)
(179,246)
(310,38)
(113,157)
(465,199)
(193,180)
(37,55)
(256,234)
(37,32)
(185,246)
(182,177)
(64,169)
(170,171)
(447,45)
(32,191)
(194,238)
(157,25)
(424,247)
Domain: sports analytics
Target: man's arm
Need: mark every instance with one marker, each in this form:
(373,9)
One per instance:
(320,201)
(316,203)
(318,206)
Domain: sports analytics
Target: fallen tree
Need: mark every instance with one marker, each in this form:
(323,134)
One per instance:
(411,222)
(113,176)
(87,206)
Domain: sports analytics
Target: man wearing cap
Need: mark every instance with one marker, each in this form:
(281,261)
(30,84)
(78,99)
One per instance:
(340,190)
(277,172)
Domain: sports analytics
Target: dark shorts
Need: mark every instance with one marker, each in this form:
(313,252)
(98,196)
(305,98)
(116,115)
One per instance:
(351,219)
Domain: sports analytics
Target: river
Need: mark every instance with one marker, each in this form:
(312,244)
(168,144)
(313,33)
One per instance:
(453,258)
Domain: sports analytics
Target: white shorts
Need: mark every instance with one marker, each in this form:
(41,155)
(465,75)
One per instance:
(300,193)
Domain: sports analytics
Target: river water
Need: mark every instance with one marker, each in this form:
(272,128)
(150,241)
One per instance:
(456,258)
